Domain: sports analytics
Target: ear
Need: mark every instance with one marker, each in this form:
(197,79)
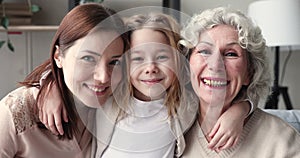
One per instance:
(58,57)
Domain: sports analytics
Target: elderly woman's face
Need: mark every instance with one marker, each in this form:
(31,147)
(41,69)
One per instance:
(218,65)
(89,64)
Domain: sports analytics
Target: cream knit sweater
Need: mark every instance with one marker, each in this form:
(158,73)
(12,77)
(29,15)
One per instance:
(263,136)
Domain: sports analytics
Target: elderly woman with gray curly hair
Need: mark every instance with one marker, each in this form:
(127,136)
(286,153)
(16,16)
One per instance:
(227,56)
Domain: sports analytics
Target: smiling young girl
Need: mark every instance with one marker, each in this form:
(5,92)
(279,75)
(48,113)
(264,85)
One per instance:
(155,109)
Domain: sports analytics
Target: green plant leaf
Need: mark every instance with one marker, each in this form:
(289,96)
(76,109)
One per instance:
(10,46)
(35,8)
(4,22)
(1,43)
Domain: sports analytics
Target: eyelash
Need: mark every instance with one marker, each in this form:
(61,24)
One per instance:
(137,59)
(92,59)
(226,54)
(204,52)
(231,54)
(162,57)
(89,58)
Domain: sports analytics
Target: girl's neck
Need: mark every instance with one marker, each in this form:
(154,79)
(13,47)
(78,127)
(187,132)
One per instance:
(140,96)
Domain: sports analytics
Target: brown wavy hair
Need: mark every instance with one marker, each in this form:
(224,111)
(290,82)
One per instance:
(75,25)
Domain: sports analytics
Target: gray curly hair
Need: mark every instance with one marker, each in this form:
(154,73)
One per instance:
(250,39)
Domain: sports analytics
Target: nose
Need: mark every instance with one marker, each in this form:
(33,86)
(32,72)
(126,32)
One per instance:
(215,62)
(102,73)
(151,68)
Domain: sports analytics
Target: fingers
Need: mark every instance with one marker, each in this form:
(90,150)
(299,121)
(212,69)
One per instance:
(215,141)
(44,119)
(224,142)
(214,130)
(51,124)
(215,136)
(41,116)
(228,142)
(65,114)
(58,123)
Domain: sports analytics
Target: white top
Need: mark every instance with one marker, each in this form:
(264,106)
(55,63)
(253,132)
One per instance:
(143,133)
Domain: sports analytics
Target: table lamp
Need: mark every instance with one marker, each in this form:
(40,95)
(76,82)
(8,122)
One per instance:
(280,24)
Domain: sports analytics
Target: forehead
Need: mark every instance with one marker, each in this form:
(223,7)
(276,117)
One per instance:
(218,33)
(101,39)
(145,35)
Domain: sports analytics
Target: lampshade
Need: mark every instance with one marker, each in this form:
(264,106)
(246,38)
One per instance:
(278,19)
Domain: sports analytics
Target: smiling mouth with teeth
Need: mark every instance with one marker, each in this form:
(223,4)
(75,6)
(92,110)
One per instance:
(215,83)
(97,89)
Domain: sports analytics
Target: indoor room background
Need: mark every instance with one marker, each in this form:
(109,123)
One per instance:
(32,46)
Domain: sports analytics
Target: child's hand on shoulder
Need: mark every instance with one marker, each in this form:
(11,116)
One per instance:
(226,132)
(51,110)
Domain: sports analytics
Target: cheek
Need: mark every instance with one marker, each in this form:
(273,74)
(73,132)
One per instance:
(134,71)
(245,75)
(194,67)
(168,68)
(82,72)
(238,70)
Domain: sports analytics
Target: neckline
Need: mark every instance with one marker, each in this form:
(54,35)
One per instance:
(227,152)
(139,108)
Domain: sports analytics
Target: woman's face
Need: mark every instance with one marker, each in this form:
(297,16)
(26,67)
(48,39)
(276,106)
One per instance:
(151,64)
(89,64)
(218,65)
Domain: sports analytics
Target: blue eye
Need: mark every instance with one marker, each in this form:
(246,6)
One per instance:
(137,59)
(89,58)
(231,54)
(162,57)
(204,52)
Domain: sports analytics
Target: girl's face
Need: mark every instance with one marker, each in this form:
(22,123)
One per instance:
(151,64)
(89,64)
(218,65)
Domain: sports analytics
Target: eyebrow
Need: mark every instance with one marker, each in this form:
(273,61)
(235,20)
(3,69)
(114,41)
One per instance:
(228,44)
(97,54)
(232,43)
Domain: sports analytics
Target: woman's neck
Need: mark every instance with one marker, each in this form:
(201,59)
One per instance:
(211,110)
(209,113)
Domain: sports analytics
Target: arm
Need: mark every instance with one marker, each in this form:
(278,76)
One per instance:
(229,126)
(51,111)
(8,137)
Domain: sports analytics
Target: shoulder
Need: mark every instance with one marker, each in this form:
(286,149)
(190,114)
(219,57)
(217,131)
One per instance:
(20,106)
(262,121)
(261,118)
(272,119)
(272,133)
